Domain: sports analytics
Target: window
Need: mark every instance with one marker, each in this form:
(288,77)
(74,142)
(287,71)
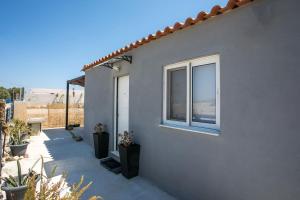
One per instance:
(177,94)
(192,93)
(204,94)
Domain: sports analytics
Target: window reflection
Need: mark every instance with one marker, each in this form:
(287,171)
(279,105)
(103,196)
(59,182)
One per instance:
(204,94)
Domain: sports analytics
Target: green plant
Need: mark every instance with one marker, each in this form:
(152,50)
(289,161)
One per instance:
(19,126)
(20,180)
(18,130)
(4,93)
(126,139)
(53,191)
(15,92)
(17,138)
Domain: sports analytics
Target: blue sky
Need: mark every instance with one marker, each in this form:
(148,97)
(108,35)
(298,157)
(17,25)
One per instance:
(43,43)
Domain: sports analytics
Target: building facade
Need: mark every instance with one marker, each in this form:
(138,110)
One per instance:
(215,107)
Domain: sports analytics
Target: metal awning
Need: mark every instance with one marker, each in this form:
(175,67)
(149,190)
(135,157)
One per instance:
(77,81)
(110,63)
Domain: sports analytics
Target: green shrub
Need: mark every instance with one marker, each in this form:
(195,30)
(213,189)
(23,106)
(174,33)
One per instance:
(18,131)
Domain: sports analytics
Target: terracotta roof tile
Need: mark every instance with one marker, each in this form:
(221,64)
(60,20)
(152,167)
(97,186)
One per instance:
(202,16)
(188,22)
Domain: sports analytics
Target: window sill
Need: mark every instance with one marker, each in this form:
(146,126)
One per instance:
(194,129)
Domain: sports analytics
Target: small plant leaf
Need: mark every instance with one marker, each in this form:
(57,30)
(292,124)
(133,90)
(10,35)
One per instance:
(24,181)
(35,163)
(19,173)
(12,181)
(52,174)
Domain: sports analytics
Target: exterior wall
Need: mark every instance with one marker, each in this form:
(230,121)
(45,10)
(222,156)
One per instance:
(98,102)
(257,154)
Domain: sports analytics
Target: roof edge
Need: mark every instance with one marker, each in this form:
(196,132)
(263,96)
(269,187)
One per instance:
(202,16)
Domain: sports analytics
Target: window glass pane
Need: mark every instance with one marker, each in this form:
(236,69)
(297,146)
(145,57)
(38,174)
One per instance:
(177,94)
(204,94)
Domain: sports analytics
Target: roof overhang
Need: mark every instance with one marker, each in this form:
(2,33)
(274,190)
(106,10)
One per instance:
(77,81)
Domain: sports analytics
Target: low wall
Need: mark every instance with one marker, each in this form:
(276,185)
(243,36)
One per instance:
(53,114)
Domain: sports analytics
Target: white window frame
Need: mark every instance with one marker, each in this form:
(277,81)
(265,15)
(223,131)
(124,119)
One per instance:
(189,64)
(165,110)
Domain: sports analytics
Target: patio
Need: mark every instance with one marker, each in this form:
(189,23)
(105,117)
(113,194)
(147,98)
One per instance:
(76,158)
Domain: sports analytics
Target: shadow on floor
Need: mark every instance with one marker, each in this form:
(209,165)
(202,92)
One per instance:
(77,159)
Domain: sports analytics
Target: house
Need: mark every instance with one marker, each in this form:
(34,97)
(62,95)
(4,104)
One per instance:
(44,96)
(213,102)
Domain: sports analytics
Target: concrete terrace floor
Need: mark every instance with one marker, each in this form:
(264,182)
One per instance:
(77,159)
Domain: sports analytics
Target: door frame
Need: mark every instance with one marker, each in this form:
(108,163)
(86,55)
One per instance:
(115,112)
(116,95)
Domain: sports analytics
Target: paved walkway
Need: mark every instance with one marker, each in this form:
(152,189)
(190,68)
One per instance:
(77,158)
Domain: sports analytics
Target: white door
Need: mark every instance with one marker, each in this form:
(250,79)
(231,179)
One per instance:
(122,105)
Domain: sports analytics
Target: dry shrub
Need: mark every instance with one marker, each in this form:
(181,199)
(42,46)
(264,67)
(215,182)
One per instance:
(2,112)
(54,191)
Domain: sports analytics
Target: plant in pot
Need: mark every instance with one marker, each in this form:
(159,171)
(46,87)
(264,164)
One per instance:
(50,188)
(18,141)
(129,155)
(101,139)
(16,187)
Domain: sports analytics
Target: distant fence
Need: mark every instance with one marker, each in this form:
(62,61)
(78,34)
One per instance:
(54,115)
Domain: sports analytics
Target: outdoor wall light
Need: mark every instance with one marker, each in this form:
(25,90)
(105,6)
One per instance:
(116,68)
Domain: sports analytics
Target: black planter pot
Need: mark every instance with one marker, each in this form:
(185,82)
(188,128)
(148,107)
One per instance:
(14,193)
(75,125)
(129,158)
(101,144)
(18,150)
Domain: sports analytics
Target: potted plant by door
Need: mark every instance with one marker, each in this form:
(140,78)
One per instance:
(16,187)
(18,132)
(101,139)
(129,155)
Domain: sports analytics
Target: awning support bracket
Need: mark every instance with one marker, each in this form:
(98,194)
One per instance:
(110,63)
(125,58)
